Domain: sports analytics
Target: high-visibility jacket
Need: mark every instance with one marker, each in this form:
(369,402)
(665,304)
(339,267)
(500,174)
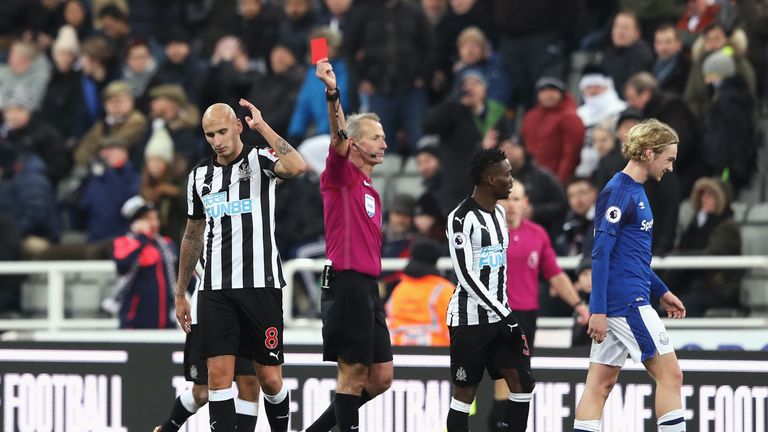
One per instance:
(416,311)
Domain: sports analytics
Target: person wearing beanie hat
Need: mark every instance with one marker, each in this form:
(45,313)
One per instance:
(146,265)
(160,145)
(417,308)
(718,66)
(552,130)
(66,41)
(429,219)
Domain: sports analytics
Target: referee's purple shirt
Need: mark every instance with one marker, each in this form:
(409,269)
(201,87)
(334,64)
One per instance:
(352,212)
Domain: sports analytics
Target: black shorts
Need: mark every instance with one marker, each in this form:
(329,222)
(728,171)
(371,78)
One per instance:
(476,348)
(527,320)
(243,322)
(354,324)
(195,365)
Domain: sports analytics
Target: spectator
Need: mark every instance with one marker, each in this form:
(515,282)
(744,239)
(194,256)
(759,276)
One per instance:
(278,90)
(418,306)
(430,171)
(27,70)
(231,72)
(460,16)
(463,124)
(113,179)
(642,92)
(256,22)
(28,133)
(601,104)
(63,105)
(139,69)
(672,66)
(146,265)
(576,235)
(114,25)
(120,121)
(96,59)
(754,14)
(628,53)
(430,221)
(711,231)
(310,112)
(435,10)
(546,200)
(532,40)
(716,37)
(398,230)
(698,15)
(75,14)
(161,187)
(608,147)
(579,335)
(391,45)
(299,18)
(335,16)
(170,109)
(475,52)
(730,146)
(26,195)
(180,65)
(552,131)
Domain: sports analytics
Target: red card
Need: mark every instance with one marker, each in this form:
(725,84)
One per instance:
(319,47)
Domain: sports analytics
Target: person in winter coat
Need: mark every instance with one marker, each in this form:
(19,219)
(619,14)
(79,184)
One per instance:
(146,265)
(552,131)
(711,231)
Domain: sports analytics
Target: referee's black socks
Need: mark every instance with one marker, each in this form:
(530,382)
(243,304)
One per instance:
(183,408)
(221,405)
(278,409)
(327,419)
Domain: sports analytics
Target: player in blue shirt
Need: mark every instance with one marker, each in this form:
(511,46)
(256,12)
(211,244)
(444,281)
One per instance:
(623,322)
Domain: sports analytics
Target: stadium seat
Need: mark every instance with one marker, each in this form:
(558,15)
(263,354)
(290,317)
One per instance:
(409,184)
(389,167)
(410,167)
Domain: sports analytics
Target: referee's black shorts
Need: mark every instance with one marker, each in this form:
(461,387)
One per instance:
(195,365)
(354,324)
(245,322)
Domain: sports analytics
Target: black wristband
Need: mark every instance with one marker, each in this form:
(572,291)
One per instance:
(581,302)
(332,95)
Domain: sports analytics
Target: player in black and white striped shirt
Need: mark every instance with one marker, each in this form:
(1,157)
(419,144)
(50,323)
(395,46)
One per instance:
(231,230)
(484,332)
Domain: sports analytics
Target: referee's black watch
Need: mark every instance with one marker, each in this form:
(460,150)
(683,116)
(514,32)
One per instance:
(332,95)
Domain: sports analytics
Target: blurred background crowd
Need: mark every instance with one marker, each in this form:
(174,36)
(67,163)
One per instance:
(101,102)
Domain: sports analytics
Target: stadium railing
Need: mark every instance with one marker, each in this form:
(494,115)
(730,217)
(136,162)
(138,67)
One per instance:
(55,272)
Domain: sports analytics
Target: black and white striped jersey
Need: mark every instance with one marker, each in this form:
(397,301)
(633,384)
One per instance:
(478,243)
(238,203)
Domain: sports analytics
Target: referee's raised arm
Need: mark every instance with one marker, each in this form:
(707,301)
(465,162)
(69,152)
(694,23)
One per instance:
(336,119)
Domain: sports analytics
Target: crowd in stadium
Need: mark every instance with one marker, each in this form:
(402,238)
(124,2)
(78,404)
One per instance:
(101,102)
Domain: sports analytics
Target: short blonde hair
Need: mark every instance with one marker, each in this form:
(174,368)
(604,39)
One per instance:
(648,134)
(472,35)
(354,123)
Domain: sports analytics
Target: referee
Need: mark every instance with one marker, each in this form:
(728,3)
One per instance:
(484,332)
(231,230)
(355,333)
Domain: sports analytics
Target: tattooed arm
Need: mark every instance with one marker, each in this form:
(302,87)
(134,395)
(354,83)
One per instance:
(191,248)
(291,163)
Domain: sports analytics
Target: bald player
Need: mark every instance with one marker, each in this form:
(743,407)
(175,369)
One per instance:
(230,206)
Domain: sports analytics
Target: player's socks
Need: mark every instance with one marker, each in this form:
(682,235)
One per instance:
(673,421)
(221,405)
(278,409)
(183,408)
(518,405)
(496,417)
(247,413)
(458,416)
(327,419)
(586,425)
(346,406)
